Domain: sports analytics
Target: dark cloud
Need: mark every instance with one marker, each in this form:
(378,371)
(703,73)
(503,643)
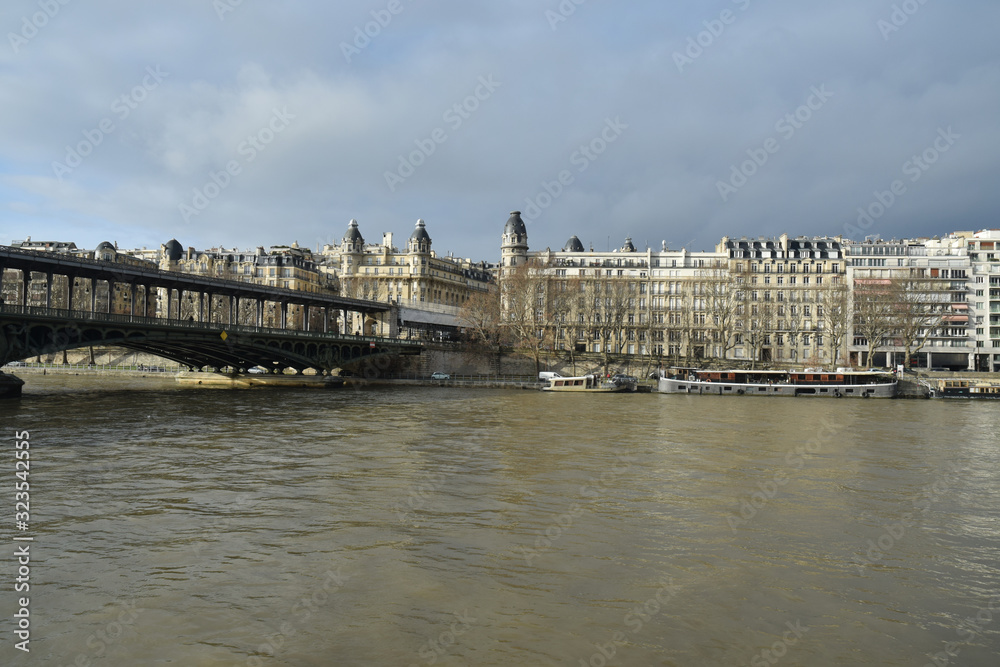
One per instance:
(478,109)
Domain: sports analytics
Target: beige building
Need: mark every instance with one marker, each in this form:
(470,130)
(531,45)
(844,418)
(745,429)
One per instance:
(623,301)
(413,277)
(787,288)
(289,267)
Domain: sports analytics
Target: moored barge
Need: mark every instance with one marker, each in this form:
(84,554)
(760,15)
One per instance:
(964,389)
(589,383)
(842,383)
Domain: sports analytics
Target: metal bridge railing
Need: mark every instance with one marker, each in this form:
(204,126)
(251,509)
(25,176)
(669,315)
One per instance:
(71,316)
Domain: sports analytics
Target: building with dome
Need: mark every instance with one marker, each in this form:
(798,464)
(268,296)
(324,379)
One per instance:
(414,277)
(748,300)
(618,301)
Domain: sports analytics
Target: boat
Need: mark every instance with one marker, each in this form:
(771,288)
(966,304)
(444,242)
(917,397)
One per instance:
(843,382)
(591,383)
(964,389)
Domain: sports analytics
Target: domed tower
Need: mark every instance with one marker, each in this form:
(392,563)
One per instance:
(514,248)
(628,247)
(353,241)
(105,252)
(420,240)
(573,245)
(352,247)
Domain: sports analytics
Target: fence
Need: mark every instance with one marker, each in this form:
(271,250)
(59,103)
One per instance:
(143,368)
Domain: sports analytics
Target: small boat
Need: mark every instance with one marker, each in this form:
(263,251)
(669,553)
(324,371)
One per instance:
(964,389)
(588,383)
(843,382)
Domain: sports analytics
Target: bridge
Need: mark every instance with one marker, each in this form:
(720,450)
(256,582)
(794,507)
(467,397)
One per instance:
(57,302)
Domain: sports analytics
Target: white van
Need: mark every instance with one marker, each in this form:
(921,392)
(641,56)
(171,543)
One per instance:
(545,376)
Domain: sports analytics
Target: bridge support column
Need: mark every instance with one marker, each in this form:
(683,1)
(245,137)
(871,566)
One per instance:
(25,281)
(305,317)
(284,315)
(48,290)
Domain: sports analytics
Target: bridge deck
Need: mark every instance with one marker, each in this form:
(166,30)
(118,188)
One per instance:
(82,267)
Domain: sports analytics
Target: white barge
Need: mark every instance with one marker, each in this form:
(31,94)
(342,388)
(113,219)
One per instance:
(591,383)
(842,383)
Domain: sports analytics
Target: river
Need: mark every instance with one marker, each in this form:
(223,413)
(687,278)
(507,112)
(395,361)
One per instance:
(428,525)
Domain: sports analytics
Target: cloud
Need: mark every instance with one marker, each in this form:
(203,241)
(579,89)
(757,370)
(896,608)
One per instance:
(352,122)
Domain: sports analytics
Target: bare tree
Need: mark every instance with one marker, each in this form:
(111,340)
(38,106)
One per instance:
(835,301)
(873,312)
(482,317)
(610,307)
(917,310)
(523,294)
(723,302)
(759,327)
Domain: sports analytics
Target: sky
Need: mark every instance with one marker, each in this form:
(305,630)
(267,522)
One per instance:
(245,123)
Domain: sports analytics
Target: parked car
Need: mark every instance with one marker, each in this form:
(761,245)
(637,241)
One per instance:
(548,375)
(440,376)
